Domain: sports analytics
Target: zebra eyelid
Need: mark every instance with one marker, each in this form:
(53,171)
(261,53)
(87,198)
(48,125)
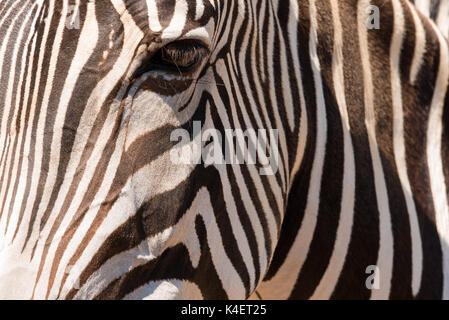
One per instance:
(182,57)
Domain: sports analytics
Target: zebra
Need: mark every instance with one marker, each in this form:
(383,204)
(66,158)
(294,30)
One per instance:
(436,10)
(93,207)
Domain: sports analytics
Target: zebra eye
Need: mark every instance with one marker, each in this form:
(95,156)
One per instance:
(184,54)
(177,57)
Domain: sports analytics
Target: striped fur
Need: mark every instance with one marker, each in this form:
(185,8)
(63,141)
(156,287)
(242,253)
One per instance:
(91,207)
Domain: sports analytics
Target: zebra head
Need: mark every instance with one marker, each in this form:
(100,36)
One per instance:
(209,148)
(102,103)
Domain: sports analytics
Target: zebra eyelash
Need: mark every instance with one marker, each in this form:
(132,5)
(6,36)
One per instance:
(180,57)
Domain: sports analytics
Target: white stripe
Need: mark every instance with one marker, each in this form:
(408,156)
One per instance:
(3,50)
(343,237)
(443,17)
(4,133)
(176,26)
(39,134)
(283,165)
(303,124)
(17,136)
(122,263)
(23,170)
(254,174)
(166,290)
(231,281)
(243,188)
(399,144)
(153,16)
(281,285)
(199,9)
(420,45)
(423,6)
(89,36)
(231,208)
(434,135)
(132,196)
(385,255)
(29,129)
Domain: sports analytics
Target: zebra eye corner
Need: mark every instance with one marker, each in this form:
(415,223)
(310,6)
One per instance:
(179,57)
